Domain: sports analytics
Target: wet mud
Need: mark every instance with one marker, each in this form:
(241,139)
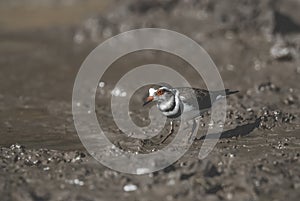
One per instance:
(255,45)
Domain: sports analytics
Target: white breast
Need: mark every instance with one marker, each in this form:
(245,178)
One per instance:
(176,108)
(187,108)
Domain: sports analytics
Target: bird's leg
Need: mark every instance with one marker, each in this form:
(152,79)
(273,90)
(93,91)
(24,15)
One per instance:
(170,132)
(194,126)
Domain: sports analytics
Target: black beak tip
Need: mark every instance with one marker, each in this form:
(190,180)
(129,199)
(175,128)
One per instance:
(145,103)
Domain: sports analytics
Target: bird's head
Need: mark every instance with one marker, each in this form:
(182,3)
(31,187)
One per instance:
(160,95)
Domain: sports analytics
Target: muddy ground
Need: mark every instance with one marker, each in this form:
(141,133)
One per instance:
(255,45)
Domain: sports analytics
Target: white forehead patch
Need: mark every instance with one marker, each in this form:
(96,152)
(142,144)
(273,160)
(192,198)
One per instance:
(152,91)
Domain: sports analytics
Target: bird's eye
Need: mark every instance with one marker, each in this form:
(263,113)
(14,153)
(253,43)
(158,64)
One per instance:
(160,92)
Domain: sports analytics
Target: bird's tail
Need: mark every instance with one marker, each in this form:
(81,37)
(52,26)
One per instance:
(228,92)
(220,94)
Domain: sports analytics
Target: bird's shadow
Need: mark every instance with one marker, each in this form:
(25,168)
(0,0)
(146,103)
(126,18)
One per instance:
(236,132)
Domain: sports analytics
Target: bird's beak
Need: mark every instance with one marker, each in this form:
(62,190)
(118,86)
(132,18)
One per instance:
(148,100)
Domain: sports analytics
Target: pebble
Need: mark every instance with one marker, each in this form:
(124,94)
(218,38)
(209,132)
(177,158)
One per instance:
(101,84)
(281,51)
(142,171)
(130,188)
(75,182)
(268,86)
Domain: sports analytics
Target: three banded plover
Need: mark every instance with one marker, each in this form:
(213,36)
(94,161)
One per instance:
(184,102)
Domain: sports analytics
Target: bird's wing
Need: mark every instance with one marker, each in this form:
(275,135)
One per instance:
(190,95)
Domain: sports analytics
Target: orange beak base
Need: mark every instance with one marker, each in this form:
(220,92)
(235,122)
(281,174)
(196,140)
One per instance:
(148,100)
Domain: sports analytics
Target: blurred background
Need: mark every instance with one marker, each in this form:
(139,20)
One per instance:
(43,44)
(255,45)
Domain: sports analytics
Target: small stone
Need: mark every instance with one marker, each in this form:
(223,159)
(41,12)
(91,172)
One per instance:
(142,171)
(230,67)
(130,188)
(101,84)
(231,155)
(75,182)
(268,86)
(289,100)
(229,196)
(78,182)
(249,109)
(16,147)
(281,51)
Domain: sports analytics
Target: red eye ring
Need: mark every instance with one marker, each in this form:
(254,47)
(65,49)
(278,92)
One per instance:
(160,92)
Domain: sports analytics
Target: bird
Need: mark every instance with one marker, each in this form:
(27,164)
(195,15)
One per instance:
(175,103)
